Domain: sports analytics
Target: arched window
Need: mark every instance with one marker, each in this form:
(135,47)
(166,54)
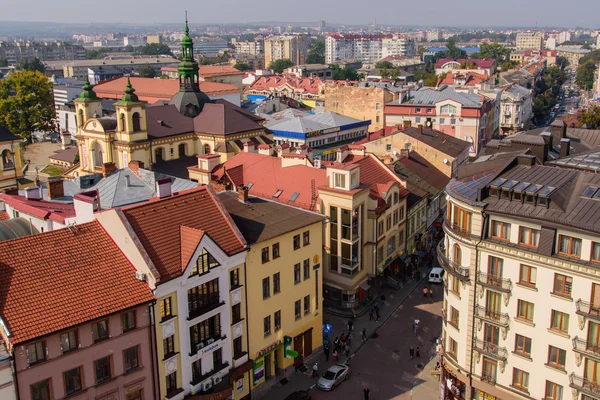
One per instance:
(181,149)
(136,122)
(457,254)
(97,155)
(159,154)
(80,118)
(206,149)
(122,122)
(7,160)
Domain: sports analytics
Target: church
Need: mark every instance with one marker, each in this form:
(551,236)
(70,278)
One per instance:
(167,133)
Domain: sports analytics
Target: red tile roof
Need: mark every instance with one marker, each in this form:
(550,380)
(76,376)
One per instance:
(209,71)
(481,63)
(190,239)
(471,79)
(278,82)
(43,209)
(59,279)
(388,130)
(4,215)
(158,223)
(373,172)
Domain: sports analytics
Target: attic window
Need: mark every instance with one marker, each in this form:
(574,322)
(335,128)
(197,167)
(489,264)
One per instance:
(249,185)
(589,191)
(294,197)
(278,193)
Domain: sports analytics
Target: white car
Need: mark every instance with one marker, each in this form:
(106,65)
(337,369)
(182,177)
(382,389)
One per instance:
(335,375)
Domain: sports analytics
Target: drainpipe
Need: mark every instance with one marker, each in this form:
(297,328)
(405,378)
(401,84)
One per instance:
(152,337)
(376,247)
(484,227)
(247,326)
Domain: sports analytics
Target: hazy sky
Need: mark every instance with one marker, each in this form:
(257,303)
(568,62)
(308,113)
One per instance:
(567,13)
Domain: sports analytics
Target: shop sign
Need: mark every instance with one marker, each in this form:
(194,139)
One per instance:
(314,133)
(208,349)
(484,396)
(316,266)
(225,394)
(267,349)
(258,371)
(239,385)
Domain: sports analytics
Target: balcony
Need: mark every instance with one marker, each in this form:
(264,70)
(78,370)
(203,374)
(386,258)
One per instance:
(588,310)
(240,359)
(459,230)
(209,303)
(489,377)
(206,346)
(491,316)
(450,266)
(494,282)
(583,385)
(196,381)
(491,349)
(586,348)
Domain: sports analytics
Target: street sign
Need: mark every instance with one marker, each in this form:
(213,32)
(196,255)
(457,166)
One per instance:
(316,266)
(291,353)
(327,328)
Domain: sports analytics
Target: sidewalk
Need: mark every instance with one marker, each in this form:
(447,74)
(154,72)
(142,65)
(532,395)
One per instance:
(427,386)
(393,300)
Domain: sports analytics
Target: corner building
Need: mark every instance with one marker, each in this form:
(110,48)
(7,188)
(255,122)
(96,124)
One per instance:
(521,312)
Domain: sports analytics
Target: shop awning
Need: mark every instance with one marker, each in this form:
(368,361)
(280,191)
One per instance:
(365,286)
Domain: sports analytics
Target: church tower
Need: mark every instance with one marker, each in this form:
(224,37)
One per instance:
(87,105)
(131,116)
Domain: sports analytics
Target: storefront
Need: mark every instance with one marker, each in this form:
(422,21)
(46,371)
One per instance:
(453,386)
(266,361)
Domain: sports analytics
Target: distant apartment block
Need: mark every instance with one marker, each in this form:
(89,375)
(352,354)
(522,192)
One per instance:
(209,45)
(530,40)
(252,48)
(363,48)
(15,52)
(294,48)
(79,68)
(398,46)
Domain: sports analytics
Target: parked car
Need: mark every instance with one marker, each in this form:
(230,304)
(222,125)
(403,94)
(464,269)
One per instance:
(299,395)
(335,375)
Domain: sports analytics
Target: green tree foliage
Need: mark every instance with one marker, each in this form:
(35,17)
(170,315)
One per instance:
(129,48)
(96,54)
(507,65)
(154,49)
(593,56)
(26,103)
(31,64)
(547,91)
(3,62)
(345,73)
(428,78)
(384,65)
(279,65)
(494,51)
(467,65)
(241,66)
(562,62)
(585,75)
(316,53)
(146,71)
(591,116)
(453,50)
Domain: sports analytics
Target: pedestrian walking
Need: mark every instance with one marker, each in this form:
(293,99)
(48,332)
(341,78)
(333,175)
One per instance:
(349,339)
(350,325)
(315,370)
(364,334)
(415,329)
(342,339)
(377,314)
(431,293)
(411,352)
(347,350)
(326,351)
(371,314)
(417,352)
(425,292)
(376,307)
(366,392)
(353,314)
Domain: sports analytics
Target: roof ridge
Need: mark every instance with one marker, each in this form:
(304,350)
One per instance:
(227,216)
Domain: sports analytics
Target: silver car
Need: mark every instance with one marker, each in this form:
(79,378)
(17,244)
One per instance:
(335,375)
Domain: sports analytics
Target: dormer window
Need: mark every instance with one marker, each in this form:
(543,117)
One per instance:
(354,181)
(339,181)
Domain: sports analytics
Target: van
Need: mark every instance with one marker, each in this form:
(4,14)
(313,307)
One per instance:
(436,275)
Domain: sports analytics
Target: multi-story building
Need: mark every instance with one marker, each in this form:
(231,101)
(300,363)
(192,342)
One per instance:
(16,52)
(530,40)
(304,90)
(288,47)
(340,47)
(516,109)
(209,45)
(102,347)
(521,290)
(10,160)
(321,71)
(253,48)
(282,284)
(464,65)
(192,255)
(458,114)
(433,35)
(398,46)
(135,40)
(7,382)
(79,69)
(572,53)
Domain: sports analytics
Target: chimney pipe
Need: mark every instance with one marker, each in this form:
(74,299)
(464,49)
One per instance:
(407,124)
(243,194)
(421,128)
(565,147)
(33,193)
(55,189)
(163,187)
(127,181)
(135,166)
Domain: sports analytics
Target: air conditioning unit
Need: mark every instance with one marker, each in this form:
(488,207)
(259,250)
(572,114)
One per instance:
(199,345)
(206,385)
(209,341)
(140,276)
(217,379)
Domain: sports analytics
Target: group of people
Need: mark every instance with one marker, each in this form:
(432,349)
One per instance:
(374,313)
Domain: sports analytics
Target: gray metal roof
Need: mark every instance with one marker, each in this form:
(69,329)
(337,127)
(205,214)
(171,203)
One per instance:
(307,122)
(427,96)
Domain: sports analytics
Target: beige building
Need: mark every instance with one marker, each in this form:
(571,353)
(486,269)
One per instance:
(10,161)
(293,48)
(79,69)
(253,48)
(572,53)
(530,40)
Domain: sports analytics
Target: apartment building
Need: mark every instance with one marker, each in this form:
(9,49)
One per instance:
(253,48)
(293,48)
(283,264)
(398,46)
(16,52)
(209,45)
(79,68)
(530,40)
(340,47)
(572,53)
(521,299)
(516,109)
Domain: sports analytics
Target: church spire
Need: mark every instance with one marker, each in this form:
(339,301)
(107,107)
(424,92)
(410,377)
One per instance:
(188,67)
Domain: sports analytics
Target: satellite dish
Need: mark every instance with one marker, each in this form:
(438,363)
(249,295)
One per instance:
(429,124)
(394,152)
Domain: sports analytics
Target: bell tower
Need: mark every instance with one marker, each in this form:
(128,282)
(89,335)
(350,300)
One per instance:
(189,75)
(87,105)
(131,116)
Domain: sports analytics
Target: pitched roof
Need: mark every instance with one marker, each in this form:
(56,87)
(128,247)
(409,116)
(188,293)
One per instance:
(430,96)
(470,78)
(85,276)
(67,155)
(374,173)
(4,215)
(209,71)
(299,85)
(422,173)
(158,223)
(43,209)
(5,134)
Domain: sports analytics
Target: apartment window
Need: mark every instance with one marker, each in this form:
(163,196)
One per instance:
(556,357)
(265,255)
(218,359)
(305,238)
(296,242)
(401,213)
(41,390)
(266,284)
(560,321)
(277,320)
(379,255)
(340,181)
(68,341)
(130,359)
(454,315)
(455,285)
(429,110)
(452,347)
(395,217)
(525,310)
(377,106)
(171,383)
(563,285)
(207,329)
(306,268)
(100,330)
(380,228)
(168,347)
(522,345)
(234,278)
(203,297)
(569,246)
(553,391)
(128,321)
(527,275)
(72,381)
(595,252)
(418,110)
(520,379)
(236,313)
(417,119)
(388,147)
(197,369)
(442,121)
(297,273)
(297,306)
(204,263)
(276,283)
(102,369)
(237,347)
(388,222)
(500,230)
(461,220)
(529,237)
(307,304)
(267,325)
(165,308)
(452,121)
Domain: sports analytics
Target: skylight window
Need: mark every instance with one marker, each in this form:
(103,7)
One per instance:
(294,197)
(278,193)
(589,191)
(249,185)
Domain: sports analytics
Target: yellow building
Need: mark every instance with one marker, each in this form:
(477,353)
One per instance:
(10,160)
(283,264)
(287,47)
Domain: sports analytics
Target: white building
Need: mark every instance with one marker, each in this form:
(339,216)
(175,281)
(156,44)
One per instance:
(341,47)
(522,290)
(529,40)
(398,46)
(516,109)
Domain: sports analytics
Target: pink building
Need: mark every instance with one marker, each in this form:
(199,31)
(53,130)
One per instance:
(75,318)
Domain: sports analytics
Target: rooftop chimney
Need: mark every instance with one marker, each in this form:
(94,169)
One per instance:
(55,189)
(127,181)
(249,147)
(33,193)
(547,136)
(421,128)
(135,166)
(565,147)
(243,193)
(163,187)
(65,140)
(108,168)
(407,124)
(86,203)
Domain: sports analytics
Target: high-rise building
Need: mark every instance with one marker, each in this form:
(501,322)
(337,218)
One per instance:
(15,52)
(253,48)
(294,48)
(341,47)
(398,46)
(530,40)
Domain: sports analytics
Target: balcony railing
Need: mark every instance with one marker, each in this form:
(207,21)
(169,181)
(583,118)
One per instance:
(457,228)
(491,349)
(584,385)
(209,303)
(489,377)
(588,310)
(494,282)
(494,317)
(450,266)
(197,346)
(587,348)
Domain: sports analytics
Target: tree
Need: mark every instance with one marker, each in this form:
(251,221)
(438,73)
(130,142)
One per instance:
(241,66)
(146,71)
(26,103)
(96,53)
(494,51)
(31,64)
(453,50)
(467,65)
(346,73)
(129,48)
(585,75)
(562,62)
(279,65)
(507,65)
(428,78)
(154,49)
(591,116)
(593,56)
(316,53)
(384,65)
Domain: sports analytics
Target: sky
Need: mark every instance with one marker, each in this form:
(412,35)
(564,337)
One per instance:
(459,13)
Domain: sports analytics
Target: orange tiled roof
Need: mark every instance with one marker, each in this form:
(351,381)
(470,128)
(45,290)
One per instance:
(153,90)
(299,85)
(157,224)
(472,79)
(209,71)
(373,172)
(4,215)
(59,279)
